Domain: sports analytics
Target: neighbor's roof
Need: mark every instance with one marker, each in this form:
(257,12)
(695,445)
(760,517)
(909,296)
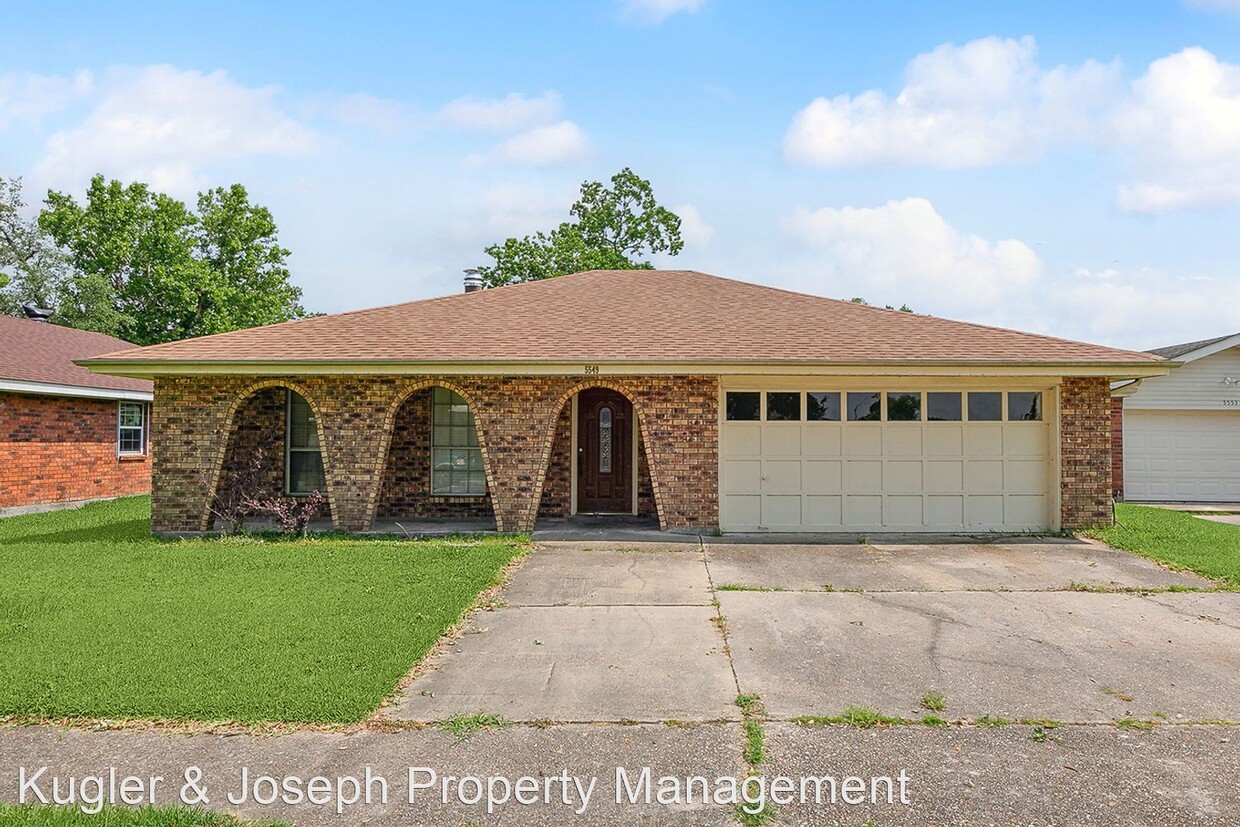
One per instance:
(43,353)
(1176,351)
(640,316)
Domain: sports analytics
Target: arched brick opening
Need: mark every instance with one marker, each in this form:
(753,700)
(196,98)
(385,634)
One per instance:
(256,423)
(404,471)
(555,478)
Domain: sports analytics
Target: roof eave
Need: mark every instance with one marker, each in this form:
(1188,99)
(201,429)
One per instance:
(146,368)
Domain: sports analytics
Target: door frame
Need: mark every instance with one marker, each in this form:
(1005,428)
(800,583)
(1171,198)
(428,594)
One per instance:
(633,438)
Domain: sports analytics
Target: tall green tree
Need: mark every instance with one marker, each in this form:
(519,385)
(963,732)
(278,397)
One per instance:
(611,228)
(30,265)
(143,266)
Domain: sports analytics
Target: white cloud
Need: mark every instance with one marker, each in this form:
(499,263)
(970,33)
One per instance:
(507,114)
(543,146)
(985,102)
(907,252)
(656,11)
(28,97)
(364,109)
(515,209)
(1180,131)
(161,125)
(693,228)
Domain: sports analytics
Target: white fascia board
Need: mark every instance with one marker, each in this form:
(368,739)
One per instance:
(1209,350)
(51,389)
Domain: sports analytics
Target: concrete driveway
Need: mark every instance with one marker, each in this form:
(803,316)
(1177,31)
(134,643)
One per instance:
(1020,628)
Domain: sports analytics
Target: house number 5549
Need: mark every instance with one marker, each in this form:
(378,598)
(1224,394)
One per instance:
(591,370)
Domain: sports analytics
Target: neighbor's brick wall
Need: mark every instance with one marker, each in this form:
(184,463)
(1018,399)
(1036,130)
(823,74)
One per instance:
(1085,451)
(516,417)
(1117,446)
(59,449)
(406,490)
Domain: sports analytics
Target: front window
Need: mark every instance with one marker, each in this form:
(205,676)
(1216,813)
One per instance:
(456,455)
(303,458)
(131,429)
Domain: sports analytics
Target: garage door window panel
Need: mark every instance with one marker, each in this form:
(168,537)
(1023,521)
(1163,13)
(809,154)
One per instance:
(903,407)
(743,406)
(822,407)
(864,407)
(943,407)
(985,406)
(783,407)
(1025,406)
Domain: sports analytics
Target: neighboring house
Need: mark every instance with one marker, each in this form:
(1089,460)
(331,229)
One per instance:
(67,435)
(701,402)
(1178,436)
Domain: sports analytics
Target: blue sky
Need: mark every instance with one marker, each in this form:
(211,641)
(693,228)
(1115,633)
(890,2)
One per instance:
(1067,168)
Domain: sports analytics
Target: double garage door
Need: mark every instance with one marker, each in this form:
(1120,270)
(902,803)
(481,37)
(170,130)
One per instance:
(1182,456)
(815,459)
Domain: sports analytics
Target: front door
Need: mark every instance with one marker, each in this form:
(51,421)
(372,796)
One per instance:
(604,452)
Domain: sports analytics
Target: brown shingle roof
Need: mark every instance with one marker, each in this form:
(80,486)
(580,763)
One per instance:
(40,352)
(632,316)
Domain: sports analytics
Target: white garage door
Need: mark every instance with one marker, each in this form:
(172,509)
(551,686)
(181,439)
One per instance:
(1182,456)
(825,460)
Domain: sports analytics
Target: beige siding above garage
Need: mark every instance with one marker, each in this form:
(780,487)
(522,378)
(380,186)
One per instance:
(1196,385)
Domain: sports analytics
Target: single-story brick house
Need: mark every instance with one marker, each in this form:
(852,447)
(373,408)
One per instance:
(702,402)
(1176,438)
(67,435)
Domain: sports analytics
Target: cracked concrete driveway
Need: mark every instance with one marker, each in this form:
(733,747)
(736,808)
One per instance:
(1024,627)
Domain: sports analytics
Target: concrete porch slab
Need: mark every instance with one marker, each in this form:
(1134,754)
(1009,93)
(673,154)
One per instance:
(1017,564)
(1072,656)
(602,574)
(580,663)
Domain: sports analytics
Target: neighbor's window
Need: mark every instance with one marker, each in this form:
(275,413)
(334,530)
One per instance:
(131,429)
(303,458)
(783,407)
(743,406)
(942,407)
(822,407)
(456,456)
(903,407)
(864,407)
(1025,406)
(985,406)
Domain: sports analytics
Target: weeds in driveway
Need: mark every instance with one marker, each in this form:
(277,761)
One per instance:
(741,587)
(463,726)
(990,722)
(1115,693)
(934,701)
(1134,723)
(862,717)
(934,721)
(754,754)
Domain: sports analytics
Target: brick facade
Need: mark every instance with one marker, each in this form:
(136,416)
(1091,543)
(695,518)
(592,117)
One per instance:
(358,418)
(1085,452)
(1117,446)
(61,449)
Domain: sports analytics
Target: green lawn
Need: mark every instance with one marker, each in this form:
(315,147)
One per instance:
(1178,539)
(98,619)
(119,817)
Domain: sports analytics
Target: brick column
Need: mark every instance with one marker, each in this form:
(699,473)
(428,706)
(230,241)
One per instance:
(189,427)
(1117,446)
(681,432)
(1085,451)
(355,411)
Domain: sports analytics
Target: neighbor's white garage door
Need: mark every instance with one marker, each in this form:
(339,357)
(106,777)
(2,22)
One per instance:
(814,460)
(1182,456)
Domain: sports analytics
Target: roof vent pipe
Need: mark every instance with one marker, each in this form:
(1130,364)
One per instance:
(473,281)
(37,314)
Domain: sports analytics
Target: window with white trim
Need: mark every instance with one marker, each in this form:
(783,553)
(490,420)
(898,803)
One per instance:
(456,455)
(303,458)
(131,429)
